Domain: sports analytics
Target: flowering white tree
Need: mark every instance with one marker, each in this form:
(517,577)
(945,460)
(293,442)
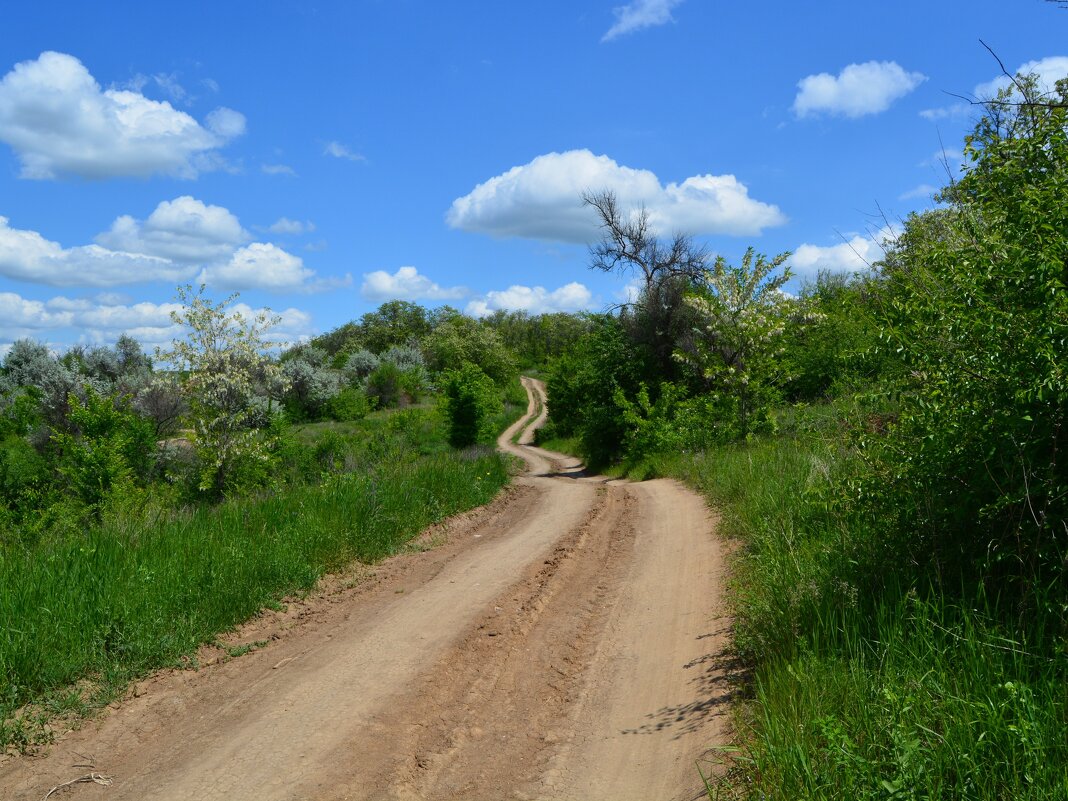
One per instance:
(223,366)
(741,315)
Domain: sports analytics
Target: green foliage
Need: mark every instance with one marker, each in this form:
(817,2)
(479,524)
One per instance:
(741,317)
(349,404)
(384,386)
(107,449)
(867,684)
(135,593)
(25,486)
(674,423)
(470,399)
(226,379)
(309,385)
(461,340)
(359,364)
(976,306)
(536,339)
(583,385)
(831,341)
(395,322)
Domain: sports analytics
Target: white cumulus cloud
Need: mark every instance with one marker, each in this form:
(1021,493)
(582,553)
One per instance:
(924,191)
(640,14)
(1049,70)
(533,299)
(28,256)
(22,315)
(859,89)
(184,230)
(543,200)
(178,240)
(102,320)
(260,265)
(857,253)
(59,121)
(407,283)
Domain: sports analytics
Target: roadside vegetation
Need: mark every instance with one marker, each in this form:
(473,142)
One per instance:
(889,451)
(147,506)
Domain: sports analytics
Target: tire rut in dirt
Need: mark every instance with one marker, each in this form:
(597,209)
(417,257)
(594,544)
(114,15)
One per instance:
(487,719)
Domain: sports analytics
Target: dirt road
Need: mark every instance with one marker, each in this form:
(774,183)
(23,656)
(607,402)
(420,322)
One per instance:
(562,643)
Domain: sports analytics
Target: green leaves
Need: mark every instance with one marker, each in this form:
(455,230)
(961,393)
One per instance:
(470,400)
(741,316)
(975,306)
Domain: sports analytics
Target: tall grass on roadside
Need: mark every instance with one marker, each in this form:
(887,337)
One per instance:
(132,594)
(868,680)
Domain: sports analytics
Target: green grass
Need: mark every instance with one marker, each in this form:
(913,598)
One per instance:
(867,682)
(141,592)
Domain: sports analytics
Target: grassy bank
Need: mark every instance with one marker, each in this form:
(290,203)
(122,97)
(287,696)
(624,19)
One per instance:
(141,591)
(867,681)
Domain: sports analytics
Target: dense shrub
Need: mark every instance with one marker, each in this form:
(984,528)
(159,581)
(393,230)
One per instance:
(359,364)
(976,303)
(461,339)
(583,386)
(108,448)
(349,404)
(384,386)
(470,400)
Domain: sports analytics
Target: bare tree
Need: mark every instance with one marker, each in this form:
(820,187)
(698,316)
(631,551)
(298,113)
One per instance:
(658,319)
(628,244)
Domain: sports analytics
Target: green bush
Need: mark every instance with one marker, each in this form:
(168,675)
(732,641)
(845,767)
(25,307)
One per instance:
(976,303)
(108,448)
(384,386)
(470,400)
(349,404)
(582,387)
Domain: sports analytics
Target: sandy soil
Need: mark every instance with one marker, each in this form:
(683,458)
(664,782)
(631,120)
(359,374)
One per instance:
(564,642)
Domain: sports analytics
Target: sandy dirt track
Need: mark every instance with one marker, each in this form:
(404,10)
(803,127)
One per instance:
(564,642)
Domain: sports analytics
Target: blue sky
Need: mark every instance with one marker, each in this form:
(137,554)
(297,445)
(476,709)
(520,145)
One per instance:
(321,158)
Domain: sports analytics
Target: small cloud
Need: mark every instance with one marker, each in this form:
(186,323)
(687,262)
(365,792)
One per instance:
(226,122)
(284,225)
(278,169)
(210,84)
(956,111)
(406,284)
(638,15)
(28,256)
(533,299)
(631,291)
(857,90)
(922,191)
(180,238)
(943,157)
(339,151)
(316,247)
(168,82)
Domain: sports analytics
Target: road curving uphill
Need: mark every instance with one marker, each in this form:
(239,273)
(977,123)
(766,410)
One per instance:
(564,642)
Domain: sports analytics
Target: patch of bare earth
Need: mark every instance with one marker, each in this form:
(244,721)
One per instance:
(564,642)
